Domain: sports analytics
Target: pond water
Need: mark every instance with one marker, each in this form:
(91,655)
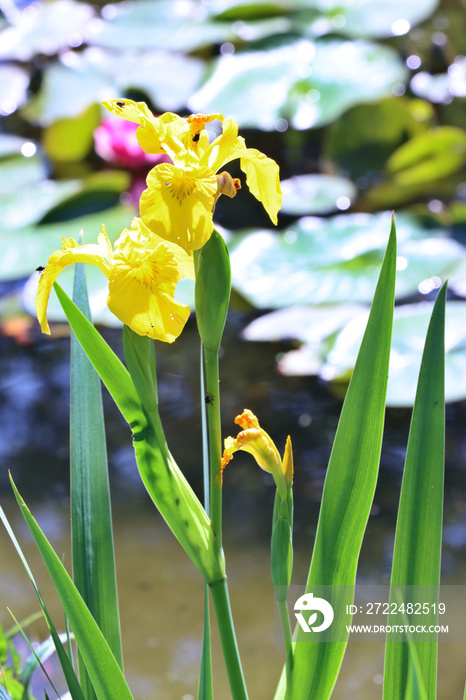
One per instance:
(160,591)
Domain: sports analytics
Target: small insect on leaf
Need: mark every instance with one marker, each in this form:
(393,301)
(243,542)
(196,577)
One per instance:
(120,103)
(209,399)
(41,268)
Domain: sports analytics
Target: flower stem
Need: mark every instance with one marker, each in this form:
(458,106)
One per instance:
(226,629)
(215,438)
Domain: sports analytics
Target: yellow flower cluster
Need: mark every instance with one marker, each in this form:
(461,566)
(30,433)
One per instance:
(176,218)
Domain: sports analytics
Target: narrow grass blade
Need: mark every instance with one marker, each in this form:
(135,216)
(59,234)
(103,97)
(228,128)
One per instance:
(68,671)
(104,671)
(91,519)
(206,691)
(417,552)
(36,659)
(348,491)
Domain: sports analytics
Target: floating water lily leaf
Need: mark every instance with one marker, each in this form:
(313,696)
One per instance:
(409,332)
(14,82)
(442,87)
(316,194)
(309,84)
(29,203)
(34,197)
(322,261)
(308,324)
(370,18)
(237,10)
(45,28)
(25,249)
(78,81)
(175,25)
(10,145)
(20,172)
(429,156)
(313,326)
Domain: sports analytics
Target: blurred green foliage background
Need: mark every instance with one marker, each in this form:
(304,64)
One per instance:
(361,102)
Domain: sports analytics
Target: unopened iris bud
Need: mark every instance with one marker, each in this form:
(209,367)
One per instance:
(212,291)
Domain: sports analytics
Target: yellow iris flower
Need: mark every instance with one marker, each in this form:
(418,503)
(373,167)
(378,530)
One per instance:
(179,201)
(142,272)
(257,442)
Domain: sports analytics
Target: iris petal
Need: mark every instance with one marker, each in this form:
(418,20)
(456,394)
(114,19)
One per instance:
(70,253)
(177,204)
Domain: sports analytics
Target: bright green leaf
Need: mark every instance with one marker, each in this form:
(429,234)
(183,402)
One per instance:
(104,671)
(71,139)
(418,538)
(348,493)
(429,156)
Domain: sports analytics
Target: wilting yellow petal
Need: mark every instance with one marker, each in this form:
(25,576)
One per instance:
(177,205)
(260,445)
(71,252)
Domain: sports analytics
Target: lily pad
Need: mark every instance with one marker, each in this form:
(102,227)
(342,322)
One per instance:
(18,172)
(370,18)
(322,261)
(307,83)
(78,81)
(175,25)
(316,194)
(14,82)
(442,88)
(27,196)
(307,324)
(11,145)
(312,326)
(409,332)
(45,28)
(25,249)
